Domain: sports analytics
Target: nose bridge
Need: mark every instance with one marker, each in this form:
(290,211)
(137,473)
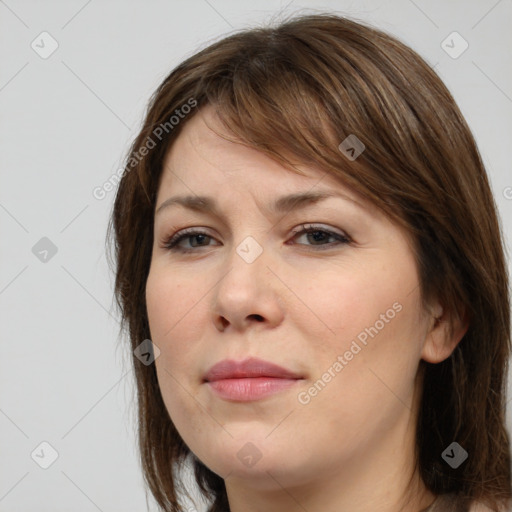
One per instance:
(246,290)
(247,263)
(249,249)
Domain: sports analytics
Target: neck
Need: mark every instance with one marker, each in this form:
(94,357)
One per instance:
(382,476)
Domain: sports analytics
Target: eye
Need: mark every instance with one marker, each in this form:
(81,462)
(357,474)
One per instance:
(191,239)
(319,236)
(195,237)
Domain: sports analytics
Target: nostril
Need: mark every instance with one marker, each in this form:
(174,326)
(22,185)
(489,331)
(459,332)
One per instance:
(258,318)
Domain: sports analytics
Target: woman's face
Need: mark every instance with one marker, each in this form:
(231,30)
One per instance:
(338,307)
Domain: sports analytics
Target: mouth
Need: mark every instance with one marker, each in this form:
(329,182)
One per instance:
(248,380)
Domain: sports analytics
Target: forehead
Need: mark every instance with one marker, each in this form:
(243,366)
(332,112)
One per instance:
(205,156)
(205,172)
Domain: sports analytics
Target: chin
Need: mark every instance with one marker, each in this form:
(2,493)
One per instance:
(264,464)
(243,456)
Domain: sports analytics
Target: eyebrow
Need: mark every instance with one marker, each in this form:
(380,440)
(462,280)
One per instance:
(283,204)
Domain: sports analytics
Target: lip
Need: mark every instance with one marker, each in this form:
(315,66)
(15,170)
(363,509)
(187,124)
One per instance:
(250,379)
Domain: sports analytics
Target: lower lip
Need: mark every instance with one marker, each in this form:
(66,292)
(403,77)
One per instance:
(248,389)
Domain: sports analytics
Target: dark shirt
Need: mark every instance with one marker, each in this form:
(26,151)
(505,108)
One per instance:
(448,503)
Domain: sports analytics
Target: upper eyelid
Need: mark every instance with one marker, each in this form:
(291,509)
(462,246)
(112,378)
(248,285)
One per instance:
(184,233)
(302,227)
(305,226)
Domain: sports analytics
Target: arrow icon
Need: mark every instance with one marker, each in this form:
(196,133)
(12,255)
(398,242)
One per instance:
(352,147)
(454,45)
(454,455)
(249,249)
(44,455)
(147,352)
(44,45)
(44,250)
(249,454)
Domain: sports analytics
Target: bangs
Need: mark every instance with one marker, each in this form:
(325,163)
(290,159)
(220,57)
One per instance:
(297,100)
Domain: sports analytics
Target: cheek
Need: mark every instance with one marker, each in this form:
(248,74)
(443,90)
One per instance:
(169,301)
(375,323)
(372,386)
(380,360)
(351,302)
(173,307)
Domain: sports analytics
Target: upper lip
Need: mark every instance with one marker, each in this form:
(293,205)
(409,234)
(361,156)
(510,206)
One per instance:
(252,367)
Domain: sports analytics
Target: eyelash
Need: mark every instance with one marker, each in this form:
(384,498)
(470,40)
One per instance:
(172,242)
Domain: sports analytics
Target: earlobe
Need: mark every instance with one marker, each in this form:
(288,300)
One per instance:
(444,334)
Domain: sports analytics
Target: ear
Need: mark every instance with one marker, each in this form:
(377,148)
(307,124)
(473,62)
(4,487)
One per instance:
(444,334)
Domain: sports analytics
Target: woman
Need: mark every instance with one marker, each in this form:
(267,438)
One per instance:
(306,233)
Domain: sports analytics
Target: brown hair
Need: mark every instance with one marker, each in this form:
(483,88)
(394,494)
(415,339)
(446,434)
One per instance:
(299,89)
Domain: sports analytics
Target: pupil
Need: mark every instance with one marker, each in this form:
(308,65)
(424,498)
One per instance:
(200,238)
(318,235)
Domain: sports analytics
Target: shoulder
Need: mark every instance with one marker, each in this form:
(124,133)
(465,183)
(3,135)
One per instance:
(479,507)
(453,503)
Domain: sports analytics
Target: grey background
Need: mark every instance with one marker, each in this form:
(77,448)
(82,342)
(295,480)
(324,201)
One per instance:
(66,123)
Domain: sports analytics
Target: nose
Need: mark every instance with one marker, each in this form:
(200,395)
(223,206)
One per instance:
(248,294)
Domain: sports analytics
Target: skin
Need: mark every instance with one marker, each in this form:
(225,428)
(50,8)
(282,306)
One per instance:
(350,448)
